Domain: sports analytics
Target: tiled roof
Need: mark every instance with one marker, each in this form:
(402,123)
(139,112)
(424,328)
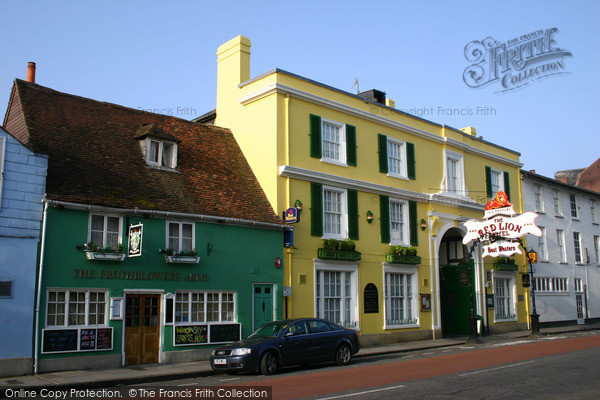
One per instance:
(95,158)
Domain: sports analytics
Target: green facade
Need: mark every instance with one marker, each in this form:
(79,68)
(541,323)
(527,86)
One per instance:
(233,259)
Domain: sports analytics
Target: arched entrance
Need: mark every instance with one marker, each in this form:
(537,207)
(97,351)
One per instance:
(457,284)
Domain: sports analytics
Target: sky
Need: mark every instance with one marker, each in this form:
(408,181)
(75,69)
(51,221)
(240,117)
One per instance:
(162,55)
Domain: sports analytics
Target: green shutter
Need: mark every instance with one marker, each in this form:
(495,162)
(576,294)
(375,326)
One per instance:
(488,182)
(384,210)
(383,159)
(410,160)
(315,136)
(507,184)
(316,209)
(353,214)
(413,223)
(351,145)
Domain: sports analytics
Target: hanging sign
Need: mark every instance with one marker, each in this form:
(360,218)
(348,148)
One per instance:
(501,228)
(135,240)
(291,215)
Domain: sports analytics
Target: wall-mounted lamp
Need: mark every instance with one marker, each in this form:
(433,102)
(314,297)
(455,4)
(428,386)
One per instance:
(423,224)
(298,205)
(209,247)
(369,216)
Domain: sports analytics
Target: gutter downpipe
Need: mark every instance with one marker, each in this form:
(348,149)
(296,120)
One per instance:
(39,291)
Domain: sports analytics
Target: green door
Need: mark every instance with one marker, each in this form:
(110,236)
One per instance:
(458,296)
(263,305)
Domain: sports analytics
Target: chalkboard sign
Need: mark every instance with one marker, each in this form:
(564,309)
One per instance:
(104,339)
(87,339)
(371,299)
(224,333)
(191,334)
(59,340)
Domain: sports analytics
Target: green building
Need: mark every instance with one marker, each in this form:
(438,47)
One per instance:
(157,241)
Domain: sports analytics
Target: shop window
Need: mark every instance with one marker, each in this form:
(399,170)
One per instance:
(76,307)
(204,307)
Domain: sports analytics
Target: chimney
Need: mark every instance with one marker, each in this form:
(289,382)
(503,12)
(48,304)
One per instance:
(469,130)
(31,72)
(374,95)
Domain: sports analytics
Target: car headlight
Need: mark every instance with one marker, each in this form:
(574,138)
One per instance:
(241,351)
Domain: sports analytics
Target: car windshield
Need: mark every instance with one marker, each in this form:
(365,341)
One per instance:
(270,329)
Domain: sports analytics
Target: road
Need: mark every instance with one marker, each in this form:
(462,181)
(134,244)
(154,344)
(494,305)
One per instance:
(564,367)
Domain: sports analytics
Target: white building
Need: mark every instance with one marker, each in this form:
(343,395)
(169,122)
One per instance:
(567,276)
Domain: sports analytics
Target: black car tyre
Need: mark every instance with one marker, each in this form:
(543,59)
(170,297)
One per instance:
(343,355)
(268,363)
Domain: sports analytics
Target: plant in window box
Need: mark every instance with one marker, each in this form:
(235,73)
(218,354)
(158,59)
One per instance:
(94,252)
(403,255)
(180,257)
(505,264)
(339,250)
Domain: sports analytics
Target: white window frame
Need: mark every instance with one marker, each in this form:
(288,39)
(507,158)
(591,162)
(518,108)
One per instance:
(67,293)
(345,268)
(161,145)
(2,153)
(577,249)
(593,211)
(341,160)
(557,203)
(578,285)
(413,300)
(343,234)
(460,189)
(561,246)
(403,173)
(542,245)
(205,303)
(180,235)
(104,229)
(551,285)
(538,196)
(596,248)
(511,301)
(404,240)
(500,176)
(573,206)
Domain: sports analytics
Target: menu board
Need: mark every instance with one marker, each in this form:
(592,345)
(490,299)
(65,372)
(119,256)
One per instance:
(191,334)
(62,340)
(104,339)
(87,339)
(224,333)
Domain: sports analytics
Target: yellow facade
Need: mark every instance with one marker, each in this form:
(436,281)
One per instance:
(270,117)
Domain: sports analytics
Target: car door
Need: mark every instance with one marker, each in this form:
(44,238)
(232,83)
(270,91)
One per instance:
(295,344)
(323,340)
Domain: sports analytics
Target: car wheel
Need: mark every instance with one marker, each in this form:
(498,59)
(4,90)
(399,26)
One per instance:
(343,355)
(268,363)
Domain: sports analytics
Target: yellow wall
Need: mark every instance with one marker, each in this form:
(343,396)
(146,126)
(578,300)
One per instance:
(273,131)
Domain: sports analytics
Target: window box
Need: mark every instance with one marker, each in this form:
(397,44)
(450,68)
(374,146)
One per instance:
(401,259)
(177,259)
(339,255)
(102,256)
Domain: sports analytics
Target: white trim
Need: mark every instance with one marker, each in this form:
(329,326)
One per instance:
(334,105)
(405,221)
(512,291)
(461,189)
(2,152)
(341,161)
(180,236)
(104,229)
(349,183)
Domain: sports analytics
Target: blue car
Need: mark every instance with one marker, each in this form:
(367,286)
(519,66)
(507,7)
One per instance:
(288,342)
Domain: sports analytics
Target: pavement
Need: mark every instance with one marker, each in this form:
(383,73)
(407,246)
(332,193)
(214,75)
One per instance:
(139,374)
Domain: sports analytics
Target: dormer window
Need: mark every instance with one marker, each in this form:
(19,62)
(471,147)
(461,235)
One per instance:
(159,146)
(162,153)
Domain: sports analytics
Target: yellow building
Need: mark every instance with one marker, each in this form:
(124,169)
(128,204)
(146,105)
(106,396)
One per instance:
(364,171)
